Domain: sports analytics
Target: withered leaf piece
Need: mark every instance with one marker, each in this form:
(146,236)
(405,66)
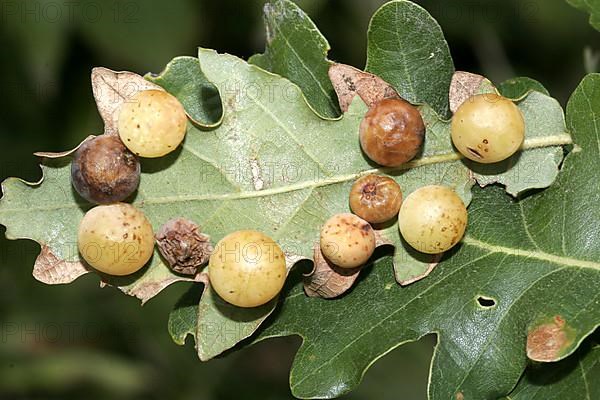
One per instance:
(48,154)
(52,270)
(146,289)
(112,89)
(349,82)
(329,281)
(463,86)
(548,341)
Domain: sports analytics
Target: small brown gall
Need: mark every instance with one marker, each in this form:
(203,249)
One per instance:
(376,199)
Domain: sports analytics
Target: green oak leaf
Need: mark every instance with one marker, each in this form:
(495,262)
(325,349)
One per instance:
(574,378)
(407,49)
(184,79)
(296,50)
(537,167)
(592,7)
(183,319)
(517,88)
(296,175)
(272,164)
(220,325)
(524,267)
(527,269)
(215,325)
(50,211)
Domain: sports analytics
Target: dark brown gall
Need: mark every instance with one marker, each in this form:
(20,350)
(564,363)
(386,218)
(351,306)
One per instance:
(103,171)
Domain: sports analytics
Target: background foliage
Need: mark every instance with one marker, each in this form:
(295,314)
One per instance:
(47,334)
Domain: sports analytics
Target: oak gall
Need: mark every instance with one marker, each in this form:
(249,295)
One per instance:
(347,241)
(183,246)
(247,269)
(103,170)
(376,199)
(392,132)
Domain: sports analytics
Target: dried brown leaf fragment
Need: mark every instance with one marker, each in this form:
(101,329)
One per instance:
(112,89)
(464,85)
(52,270)
(329,281)
(326,280)
(548,341)
(148,288)
(349,82)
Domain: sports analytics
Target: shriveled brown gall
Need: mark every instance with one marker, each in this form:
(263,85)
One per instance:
(392,132)
(376,199)
(182,244)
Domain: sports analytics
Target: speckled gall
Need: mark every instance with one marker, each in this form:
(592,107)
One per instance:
(152,123)
(247,269)
(488,128)
(347,240)
(433,219)
(116,239)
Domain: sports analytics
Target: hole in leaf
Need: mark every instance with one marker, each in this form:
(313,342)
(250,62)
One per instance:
(486,302)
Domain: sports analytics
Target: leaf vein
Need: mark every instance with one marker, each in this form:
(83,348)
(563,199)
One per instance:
(539,255)
(214,165)
(289,133)
(555,140)
(526,226)
(585,381)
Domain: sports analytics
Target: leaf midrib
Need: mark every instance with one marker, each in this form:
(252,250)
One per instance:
(533,143)
(535,254)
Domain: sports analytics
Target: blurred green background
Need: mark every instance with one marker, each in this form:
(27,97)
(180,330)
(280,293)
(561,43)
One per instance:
(82,341)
